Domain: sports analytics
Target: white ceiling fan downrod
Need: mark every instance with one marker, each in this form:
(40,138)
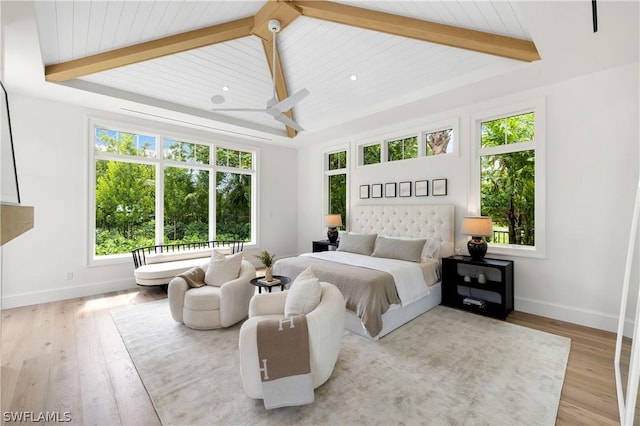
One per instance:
(274,27)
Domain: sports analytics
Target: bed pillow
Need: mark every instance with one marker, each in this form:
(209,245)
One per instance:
(401,249)
(303,295)
(431,249)
(357,243)
(222,268)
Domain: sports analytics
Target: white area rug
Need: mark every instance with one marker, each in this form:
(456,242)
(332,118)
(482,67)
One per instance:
(445,367)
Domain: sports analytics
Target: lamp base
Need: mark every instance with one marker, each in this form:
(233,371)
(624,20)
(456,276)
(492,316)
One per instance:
(477,247)
(332,235)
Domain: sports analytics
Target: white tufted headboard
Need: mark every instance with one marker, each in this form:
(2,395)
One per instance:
(431,221)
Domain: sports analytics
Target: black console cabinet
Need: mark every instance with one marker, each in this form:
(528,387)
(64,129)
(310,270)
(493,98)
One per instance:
(324,245)
(492,298)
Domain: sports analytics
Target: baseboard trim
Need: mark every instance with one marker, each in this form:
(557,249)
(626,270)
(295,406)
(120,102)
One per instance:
(586,317)
(46,296)
(557,311)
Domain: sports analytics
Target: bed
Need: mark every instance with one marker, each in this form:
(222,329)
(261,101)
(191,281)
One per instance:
(388,286)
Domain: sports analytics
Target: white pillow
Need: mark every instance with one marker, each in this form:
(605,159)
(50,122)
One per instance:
(303,295)
(222,268)
(432,249)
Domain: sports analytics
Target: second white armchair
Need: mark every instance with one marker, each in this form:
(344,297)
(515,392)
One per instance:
(325,324)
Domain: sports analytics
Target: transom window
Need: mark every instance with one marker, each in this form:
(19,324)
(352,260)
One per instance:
(371,154)
(402,149)
(439,142)
(437,139)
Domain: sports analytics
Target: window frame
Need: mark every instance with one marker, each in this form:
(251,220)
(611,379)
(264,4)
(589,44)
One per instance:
(453,124)
(408,135)
(361,148)
(325,179)
(537,106)
(160,163)
(419,131)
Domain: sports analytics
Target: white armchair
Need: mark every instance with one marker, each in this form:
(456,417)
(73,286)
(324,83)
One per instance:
(325,324)
(209,307)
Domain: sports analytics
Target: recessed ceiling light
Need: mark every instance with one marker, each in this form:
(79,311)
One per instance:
(217,99)
(225,88)
(353,77)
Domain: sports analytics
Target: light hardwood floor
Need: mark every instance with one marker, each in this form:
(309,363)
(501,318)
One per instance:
(68,356)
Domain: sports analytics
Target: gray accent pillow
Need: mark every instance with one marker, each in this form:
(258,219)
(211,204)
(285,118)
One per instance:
(396,248)
(357,243)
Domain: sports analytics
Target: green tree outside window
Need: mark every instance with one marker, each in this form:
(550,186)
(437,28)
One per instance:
(371,154)
(402,149)
(508,180)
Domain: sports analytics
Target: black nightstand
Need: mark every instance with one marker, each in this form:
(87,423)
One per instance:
(462,289)
(324,245)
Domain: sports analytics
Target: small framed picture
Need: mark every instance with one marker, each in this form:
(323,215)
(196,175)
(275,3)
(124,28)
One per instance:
(376,190)
(364,191)
(405,189)
(390,190)
(439,187)
(422,188)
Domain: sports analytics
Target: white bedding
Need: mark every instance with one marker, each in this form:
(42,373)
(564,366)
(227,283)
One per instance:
(409,277)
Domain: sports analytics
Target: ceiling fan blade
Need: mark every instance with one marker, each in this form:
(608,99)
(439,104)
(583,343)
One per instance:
(287,121)
(289,102)
(240,109)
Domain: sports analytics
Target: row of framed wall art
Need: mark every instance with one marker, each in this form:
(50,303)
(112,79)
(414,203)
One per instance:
(419,188)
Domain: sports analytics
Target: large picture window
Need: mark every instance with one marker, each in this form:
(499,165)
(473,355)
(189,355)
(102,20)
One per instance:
(132,169)
(510,167)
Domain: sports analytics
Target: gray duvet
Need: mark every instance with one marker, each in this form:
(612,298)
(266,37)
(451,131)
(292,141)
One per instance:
(368,292)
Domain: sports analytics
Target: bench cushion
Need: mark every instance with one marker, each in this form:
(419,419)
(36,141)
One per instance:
(162,273)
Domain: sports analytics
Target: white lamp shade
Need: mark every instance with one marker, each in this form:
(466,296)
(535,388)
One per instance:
(333,220)
(477,226)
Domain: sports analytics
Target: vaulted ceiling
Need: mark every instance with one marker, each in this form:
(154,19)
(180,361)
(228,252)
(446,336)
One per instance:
(354,57)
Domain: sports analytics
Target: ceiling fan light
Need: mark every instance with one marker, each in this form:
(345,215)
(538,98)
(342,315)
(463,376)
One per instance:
(225,88)
(353,77)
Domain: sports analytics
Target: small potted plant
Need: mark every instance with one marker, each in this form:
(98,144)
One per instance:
(267,259)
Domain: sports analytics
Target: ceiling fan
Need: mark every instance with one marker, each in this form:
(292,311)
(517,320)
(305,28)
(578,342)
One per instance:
(276,108)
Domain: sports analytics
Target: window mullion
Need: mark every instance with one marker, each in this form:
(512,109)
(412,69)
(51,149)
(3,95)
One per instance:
(507,149)
(160,166)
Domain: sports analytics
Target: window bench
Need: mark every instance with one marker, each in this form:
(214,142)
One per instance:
(157,265)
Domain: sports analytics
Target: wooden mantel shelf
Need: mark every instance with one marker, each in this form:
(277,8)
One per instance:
(15,220)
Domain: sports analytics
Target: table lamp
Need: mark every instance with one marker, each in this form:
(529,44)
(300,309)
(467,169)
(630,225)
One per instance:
(477,227)
(332,221)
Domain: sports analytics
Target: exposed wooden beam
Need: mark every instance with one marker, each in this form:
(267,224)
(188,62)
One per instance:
(281,84)
(149,50)
(478,41)
(283,11)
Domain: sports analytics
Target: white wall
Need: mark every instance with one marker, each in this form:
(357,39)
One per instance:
(52,145)
(592,156)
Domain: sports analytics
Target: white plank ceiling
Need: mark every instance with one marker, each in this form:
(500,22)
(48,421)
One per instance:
(318,55)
